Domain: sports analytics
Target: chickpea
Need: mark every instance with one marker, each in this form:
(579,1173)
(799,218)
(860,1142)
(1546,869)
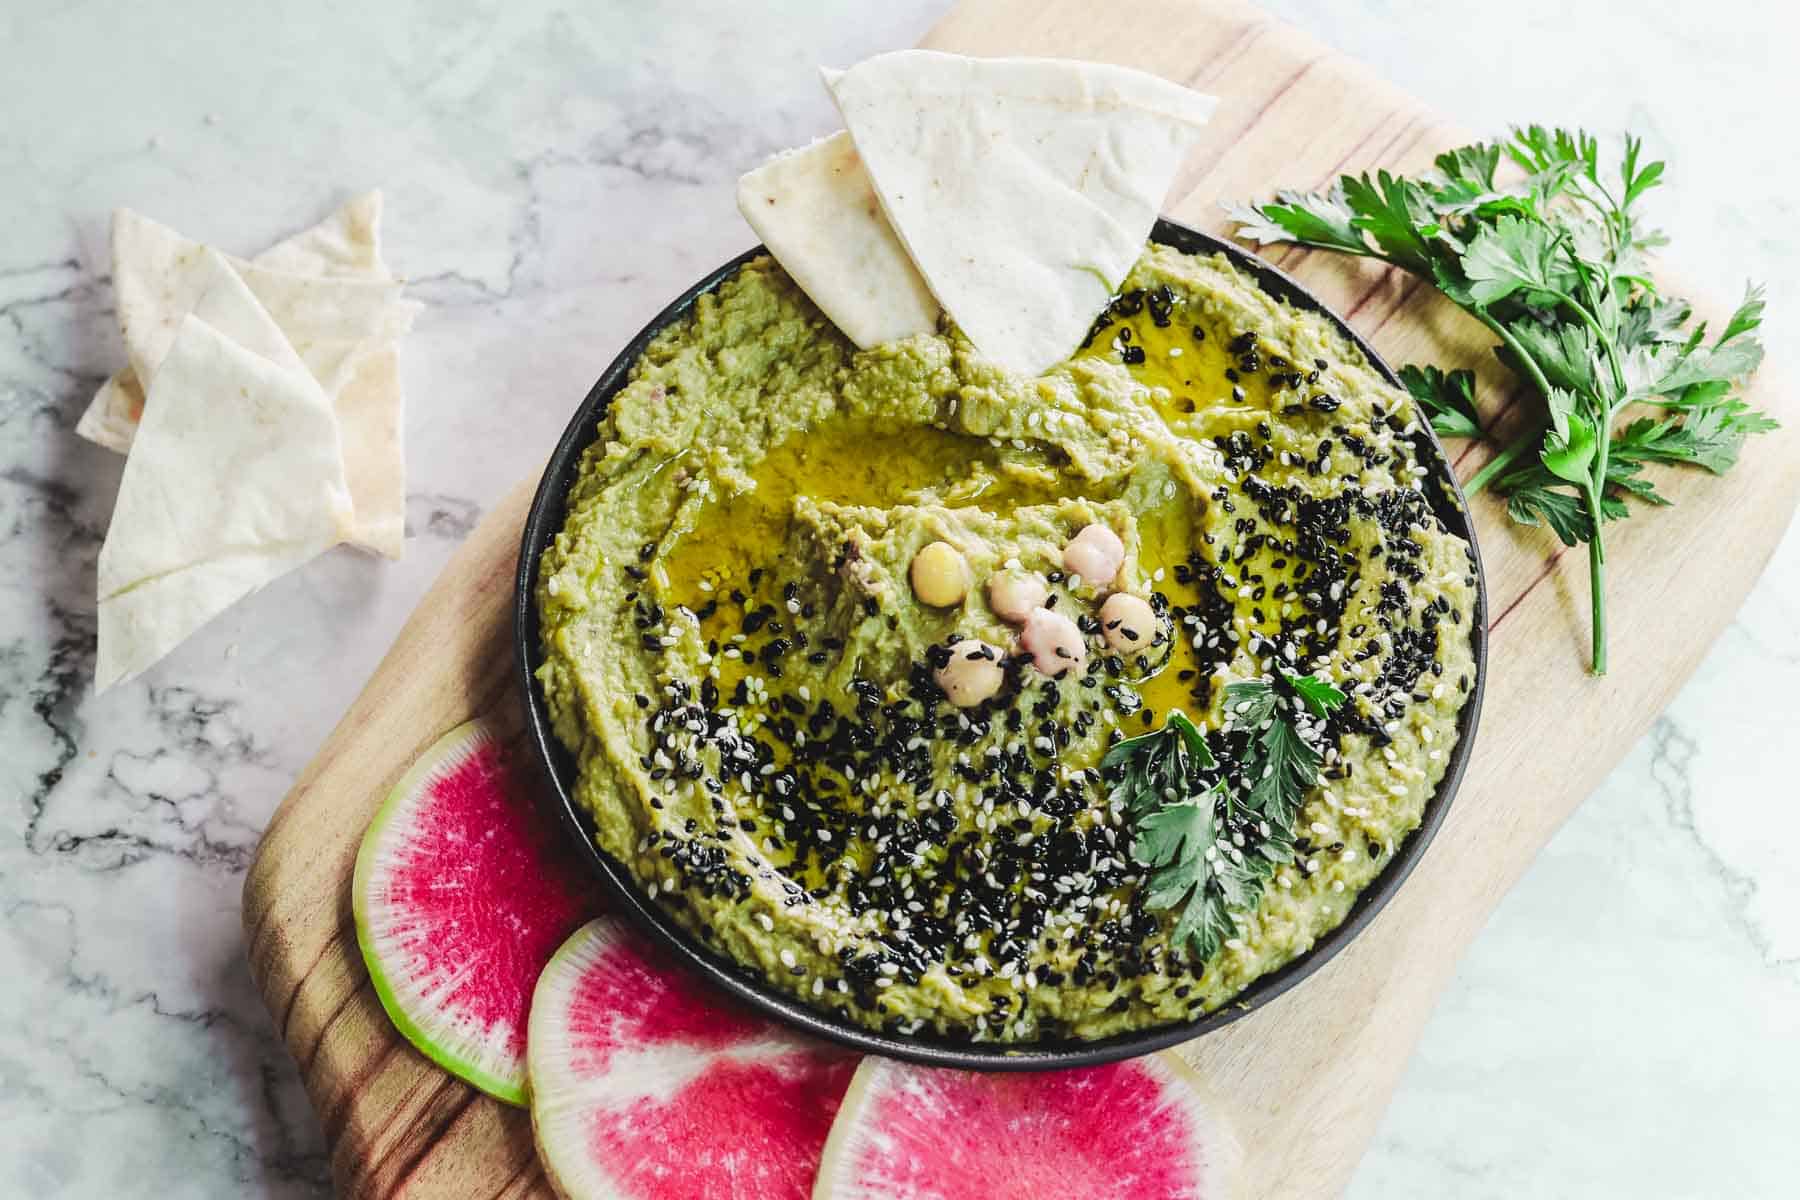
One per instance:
(1095,554)
(1014,593)
(1053,641)
(973,674)
(1128,622)
(940,575)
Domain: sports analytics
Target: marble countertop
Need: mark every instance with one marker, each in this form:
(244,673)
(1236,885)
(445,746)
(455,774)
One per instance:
(1628,1025)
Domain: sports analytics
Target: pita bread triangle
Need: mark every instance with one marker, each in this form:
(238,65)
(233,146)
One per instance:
(235,478)
(815,211)
(335,301)
(1023,189)
(347,243)
(159,275)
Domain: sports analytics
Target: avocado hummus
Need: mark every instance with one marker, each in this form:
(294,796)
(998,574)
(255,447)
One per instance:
(735,655)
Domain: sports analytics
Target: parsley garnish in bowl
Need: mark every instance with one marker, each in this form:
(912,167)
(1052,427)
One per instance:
(1212,834)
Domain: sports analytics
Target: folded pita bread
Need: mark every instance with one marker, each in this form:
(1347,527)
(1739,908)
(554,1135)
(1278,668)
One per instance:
(333,299)
(227,303)
(347,243)
(112,416)
(1023,189)
(235,477)
(369,423)
(816,212)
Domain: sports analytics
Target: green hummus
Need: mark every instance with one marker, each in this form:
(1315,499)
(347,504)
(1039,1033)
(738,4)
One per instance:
(734,654)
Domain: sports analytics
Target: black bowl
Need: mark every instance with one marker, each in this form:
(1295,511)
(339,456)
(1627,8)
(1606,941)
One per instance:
(546,519)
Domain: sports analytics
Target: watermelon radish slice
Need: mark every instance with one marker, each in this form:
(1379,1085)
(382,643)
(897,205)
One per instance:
(1136,1130)
(464,887)
(645,1085)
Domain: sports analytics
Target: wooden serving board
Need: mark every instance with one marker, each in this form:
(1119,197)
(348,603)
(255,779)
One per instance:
(1306,1078)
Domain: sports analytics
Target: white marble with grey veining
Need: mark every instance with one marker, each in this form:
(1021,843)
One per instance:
(553,175)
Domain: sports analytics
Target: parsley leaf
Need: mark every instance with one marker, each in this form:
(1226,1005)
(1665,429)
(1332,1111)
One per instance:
(1566,354)
(1448,399)
(1547,504)
(1465,177)
(1514,254)
(1318,695)
(1711,371)
(1393,211)
(1708,437)
(1748,316)
(1570,448)
(1289,768)
(1250,702)
(1281,767)
(1179,841)
(1321,220)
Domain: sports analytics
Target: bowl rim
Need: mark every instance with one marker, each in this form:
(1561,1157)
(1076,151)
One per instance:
(545,519)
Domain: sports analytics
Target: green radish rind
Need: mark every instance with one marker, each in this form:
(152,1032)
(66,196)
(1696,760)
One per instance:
(447,752)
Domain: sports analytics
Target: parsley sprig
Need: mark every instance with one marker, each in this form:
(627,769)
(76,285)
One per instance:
(1212,837)
(1552,260)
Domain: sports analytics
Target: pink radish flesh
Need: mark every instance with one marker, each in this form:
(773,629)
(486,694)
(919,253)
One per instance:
(464,889)
(647,1084)
(1124,1131)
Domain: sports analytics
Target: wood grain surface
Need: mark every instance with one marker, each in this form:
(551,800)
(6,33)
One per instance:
(1306,1077)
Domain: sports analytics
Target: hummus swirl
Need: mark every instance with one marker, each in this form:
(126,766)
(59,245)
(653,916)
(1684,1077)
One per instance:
(735,656)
